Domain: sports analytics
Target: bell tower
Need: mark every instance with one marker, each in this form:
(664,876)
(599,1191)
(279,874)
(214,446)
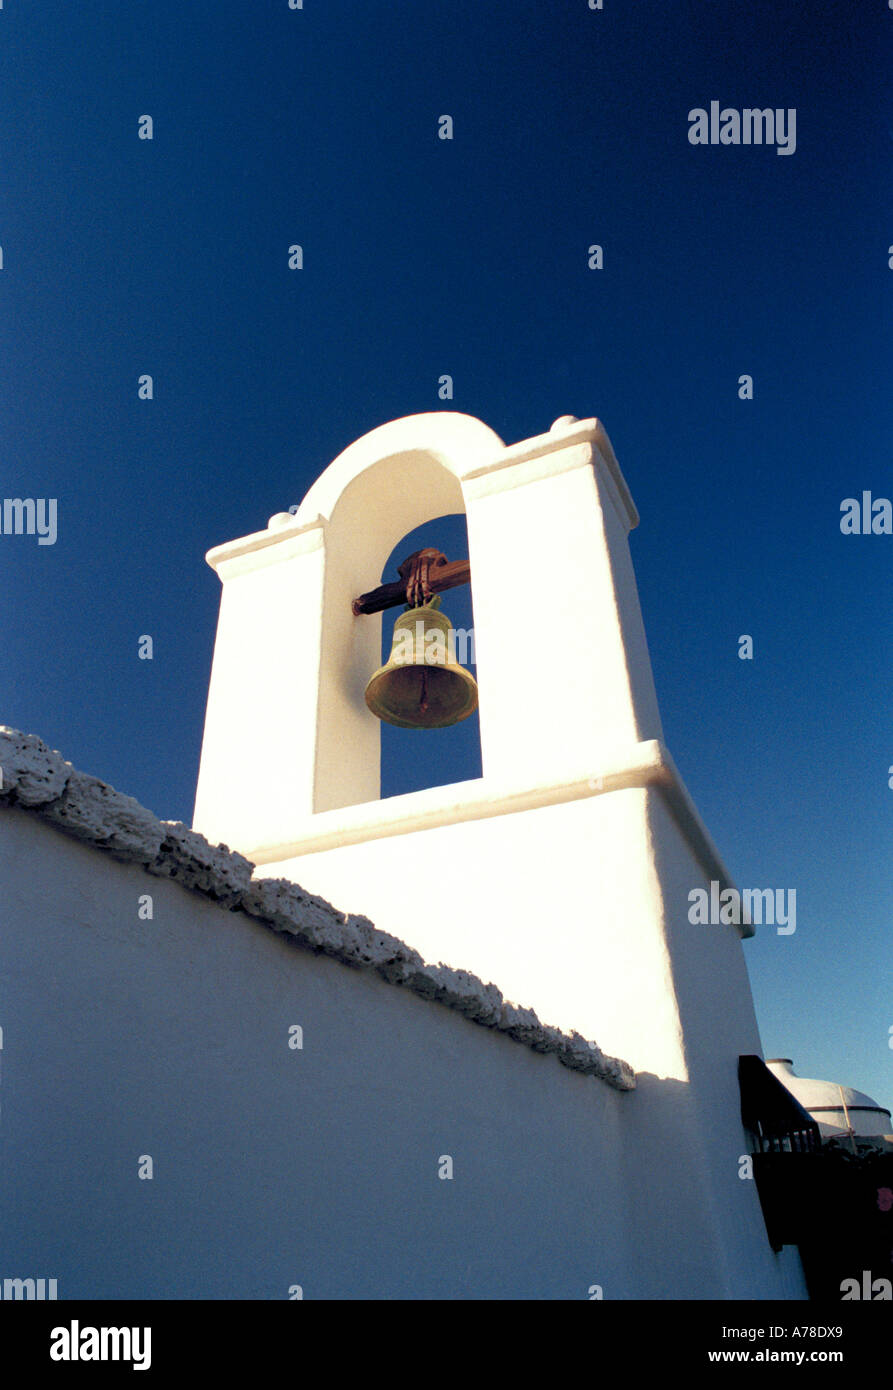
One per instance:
(288,733)
(563,872)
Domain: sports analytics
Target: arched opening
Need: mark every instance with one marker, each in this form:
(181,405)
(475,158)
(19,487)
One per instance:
(412,759)
(387,485)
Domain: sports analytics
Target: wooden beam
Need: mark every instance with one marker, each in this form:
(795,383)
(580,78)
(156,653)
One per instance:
(440,577)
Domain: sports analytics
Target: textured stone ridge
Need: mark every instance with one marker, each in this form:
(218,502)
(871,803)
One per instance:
(39,779)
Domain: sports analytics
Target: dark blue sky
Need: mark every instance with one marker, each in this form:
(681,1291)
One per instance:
(425,257)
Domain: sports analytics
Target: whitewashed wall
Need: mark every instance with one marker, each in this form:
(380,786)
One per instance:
(315,1167)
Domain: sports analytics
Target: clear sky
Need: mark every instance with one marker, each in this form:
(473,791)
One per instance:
(423,256)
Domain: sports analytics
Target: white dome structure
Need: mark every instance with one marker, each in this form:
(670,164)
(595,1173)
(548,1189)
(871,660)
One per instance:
(838,1110)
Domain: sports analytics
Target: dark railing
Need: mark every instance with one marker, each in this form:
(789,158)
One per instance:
(775,1118)
(836,1206)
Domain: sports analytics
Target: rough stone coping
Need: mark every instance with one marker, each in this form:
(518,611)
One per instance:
(37,778)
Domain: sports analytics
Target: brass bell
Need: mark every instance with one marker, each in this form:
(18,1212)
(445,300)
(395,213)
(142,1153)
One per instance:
(422,686)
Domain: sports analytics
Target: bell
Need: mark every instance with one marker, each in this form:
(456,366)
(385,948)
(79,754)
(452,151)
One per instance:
(422,686)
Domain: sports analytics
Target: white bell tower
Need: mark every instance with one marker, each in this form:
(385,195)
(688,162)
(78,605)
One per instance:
(562,873)
(292,661)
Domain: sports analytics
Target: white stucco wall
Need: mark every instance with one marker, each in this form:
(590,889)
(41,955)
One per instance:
(581,907)
(315,1167)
